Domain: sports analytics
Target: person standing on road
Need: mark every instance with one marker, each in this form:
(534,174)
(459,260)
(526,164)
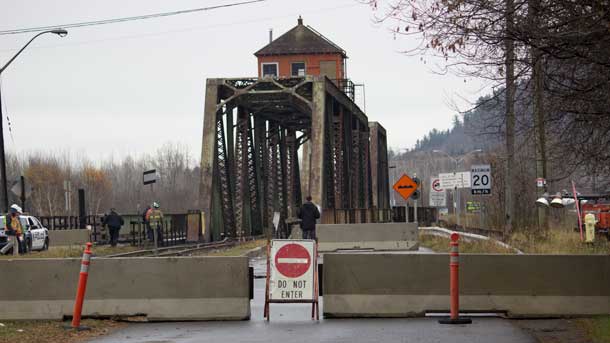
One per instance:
(13,230)
(308,213)
(155,220)
(114,222)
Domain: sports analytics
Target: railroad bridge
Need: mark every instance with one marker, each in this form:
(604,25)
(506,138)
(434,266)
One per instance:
(270,141)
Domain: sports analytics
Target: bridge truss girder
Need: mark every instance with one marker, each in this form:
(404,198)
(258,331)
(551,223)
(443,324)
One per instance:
(268,142)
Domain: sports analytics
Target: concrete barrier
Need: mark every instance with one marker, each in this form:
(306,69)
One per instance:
(173,288)
(403,285)
(377,236)
(68,237)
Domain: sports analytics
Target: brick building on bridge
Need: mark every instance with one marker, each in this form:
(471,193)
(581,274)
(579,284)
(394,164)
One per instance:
(293,130)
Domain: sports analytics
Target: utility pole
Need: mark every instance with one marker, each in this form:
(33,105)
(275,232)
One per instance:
(510,116)
(538,93)
(22,196)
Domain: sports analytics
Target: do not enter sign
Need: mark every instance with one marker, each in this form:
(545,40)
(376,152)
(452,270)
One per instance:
(292,260)
(291,270)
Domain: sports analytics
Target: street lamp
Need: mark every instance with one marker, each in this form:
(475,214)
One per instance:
(59,32)
(456,191)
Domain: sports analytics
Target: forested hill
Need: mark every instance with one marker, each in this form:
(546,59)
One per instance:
(469,131)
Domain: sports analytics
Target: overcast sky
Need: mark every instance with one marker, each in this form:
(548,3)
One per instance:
(128,88)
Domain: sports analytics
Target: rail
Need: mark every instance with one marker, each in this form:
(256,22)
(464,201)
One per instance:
(178,250)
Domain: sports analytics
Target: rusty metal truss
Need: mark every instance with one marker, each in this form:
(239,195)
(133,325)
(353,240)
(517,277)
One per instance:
(267,142)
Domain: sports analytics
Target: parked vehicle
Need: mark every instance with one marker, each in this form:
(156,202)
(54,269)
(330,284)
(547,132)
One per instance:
(36,236)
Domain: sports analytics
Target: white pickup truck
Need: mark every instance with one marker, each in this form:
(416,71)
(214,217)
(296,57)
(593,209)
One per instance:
(36,236)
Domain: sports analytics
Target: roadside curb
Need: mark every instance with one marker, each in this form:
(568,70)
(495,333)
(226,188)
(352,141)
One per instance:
(256,252)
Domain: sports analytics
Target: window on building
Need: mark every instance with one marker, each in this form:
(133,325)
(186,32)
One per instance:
(297,69)
(270,69)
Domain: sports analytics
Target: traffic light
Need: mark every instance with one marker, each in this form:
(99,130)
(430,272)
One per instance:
(415,195)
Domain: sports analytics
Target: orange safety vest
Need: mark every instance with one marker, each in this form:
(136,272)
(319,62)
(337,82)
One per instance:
(16,225)
(155,217)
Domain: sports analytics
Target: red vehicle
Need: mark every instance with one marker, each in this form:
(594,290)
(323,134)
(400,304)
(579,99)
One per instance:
(600,206)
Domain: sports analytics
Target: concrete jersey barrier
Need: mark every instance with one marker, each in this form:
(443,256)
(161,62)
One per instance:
(173,288)
(406,285)
(376,236)
(69,237)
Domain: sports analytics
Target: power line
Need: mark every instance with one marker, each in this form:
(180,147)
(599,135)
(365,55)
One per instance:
(188,29)
(125,19)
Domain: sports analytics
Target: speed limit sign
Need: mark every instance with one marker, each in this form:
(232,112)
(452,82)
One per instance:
(480,179)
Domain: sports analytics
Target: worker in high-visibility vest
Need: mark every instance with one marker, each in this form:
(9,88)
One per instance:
(14,230)
(155,217)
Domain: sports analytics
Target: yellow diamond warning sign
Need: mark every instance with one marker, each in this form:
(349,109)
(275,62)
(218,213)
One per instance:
(405,186)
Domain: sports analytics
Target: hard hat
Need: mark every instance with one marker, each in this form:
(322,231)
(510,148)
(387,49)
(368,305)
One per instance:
(156,204)
(16,208)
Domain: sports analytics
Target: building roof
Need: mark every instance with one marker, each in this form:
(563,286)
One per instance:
(300,40)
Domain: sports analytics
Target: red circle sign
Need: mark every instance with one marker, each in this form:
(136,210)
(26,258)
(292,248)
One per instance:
(292,260)
(436,185)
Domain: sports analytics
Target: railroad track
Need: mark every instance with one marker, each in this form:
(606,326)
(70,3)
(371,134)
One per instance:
(178,250)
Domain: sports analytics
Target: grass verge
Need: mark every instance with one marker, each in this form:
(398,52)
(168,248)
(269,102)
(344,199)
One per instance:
(597,328)
(236,250)
(74,251)
(557,241)
(53,331)
(474,246)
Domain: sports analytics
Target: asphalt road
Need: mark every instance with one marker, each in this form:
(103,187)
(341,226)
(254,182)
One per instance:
(292,323)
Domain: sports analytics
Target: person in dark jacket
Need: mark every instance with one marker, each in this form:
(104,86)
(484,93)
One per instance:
(114,222)
(308,213)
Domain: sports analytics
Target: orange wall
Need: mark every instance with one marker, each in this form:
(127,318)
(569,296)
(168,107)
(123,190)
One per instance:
(312,63)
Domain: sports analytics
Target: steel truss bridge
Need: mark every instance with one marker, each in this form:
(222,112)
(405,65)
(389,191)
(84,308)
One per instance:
(268,143)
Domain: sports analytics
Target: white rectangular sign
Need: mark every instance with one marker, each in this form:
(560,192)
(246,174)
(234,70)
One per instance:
(455,180)
(481,179)
(149,176)
(438,196)
(292,270)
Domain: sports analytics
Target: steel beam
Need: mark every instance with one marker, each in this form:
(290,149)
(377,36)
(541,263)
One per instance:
(251,168)
(318,142)
(208,152)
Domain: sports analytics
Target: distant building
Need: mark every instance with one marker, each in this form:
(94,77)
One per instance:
(299,52)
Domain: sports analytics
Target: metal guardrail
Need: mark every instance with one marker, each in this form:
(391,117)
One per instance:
(171,234)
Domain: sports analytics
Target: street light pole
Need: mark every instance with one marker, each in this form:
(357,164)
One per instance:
(59,32)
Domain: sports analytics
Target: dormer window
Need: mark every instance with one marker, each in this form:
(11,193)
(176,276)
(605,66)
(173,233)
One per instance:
(297,69)
(269,69)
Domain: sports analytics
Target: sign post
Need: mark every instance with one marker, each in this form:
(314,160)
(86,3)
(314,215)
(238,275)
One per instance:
(149,177)
(292,274)
(480,179)
(438,196)
(456,181)
(405,186)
